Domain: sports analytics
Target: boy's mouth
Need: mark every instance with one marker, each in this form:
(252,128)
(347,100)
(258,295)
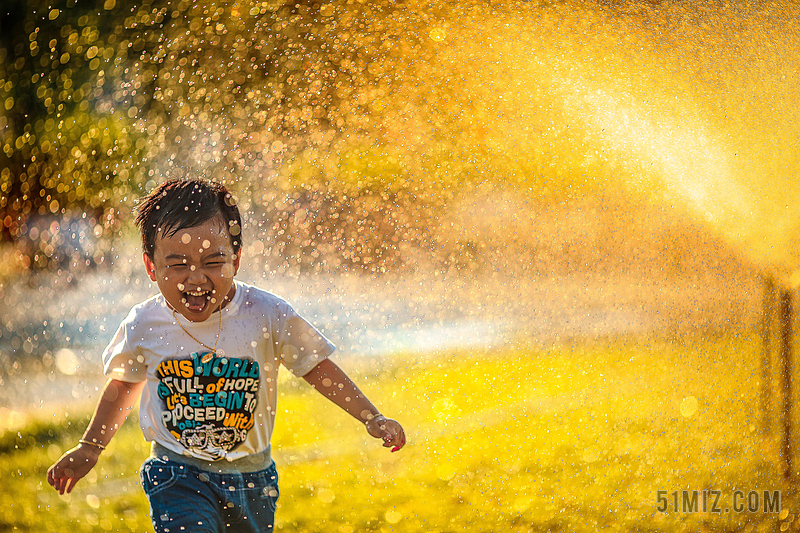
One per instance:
(196,301)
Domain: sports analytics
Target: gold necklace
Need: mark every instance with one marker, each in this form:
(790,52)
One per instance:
(207,357)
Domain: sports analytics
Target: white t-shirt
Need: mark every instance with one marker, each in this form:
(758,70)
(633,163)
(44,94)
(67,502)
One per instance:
(213,407)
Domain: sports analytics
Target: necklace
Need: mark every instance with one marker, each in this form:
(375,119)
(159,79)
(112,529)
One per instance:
(207,357)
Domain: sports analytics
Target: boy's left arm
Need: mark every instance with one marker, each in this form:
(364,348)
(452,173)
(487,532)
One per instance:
(333,383)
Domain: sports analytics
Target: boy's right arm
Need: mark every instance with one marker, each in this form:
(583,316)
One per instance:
(117,400)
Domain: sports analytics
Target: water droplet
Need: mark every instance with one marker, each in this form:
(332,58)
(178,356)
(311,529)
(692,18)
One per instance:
(67,362)
(92,501)
(437,34)
(393,516)
(688,406)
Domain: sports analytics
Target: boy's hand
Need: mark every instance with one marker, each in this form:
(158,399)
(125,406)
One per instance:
(387,429)
(71,467)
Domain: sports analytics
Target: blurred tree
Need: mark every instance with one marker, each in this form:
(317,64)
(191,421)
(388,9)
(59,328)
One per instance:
(68,138)
(101,100)
(376,114)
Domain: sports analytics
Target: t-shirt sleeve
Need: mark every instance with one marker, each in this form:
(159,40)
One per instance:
(120,360)
(300,345)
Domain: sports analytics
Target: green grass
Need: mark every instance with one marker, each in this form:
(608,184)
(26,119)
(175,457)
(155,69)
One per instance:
(573,437)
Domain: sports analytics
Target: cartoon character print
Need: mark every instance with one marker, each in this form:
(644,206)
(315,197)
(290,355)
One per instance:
(208,405)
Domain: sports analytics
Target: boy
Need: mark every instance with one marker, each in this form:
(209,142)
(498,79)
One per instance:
(204,355)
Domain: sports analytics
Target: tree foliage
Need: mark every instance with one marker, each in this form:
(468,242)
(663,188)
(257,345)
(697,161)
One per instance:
(353,108)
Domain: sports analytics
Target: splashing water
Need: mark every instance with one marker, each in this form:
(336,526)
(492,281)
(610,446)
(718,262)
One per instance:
(404,140)
(383,108)
(436,177)
(683,104)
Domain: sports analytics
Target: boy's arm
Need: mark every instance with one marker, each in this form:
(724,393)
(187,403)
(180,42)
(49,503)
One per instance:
(333,383)
(117,400)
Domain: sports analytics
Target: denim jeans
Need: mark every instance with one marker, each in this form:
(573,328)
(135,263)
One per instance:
(184,498)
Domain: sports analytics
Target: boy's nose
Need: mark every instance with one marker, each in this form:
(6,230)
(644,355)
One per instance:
(195,277)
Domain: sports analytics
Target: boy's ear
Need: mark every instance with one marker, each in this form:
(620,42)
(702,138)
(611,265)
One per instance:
(236,261)
(149,266)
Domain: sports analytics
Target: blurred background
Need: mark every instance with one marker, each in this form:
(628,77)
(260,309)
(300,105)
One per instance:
(416,176)
(446,170)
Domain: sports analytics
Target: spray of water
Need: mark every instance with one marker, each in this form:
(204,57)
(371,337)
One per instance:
(685,105)
(361,107)
(423,175)
(424,139)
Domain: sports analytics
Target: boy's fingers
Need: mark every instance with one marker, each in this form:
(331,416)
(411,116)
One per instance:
(53,478)
(398,445)
(392,434)
(59,484)
(61,480)
(394,439)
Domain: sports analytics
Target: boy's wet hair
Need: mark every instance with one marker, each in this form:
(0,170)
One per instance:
(182,203)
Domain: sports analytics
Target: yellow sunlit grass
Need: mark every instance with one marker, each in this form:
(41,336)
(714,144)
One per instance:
(576,436)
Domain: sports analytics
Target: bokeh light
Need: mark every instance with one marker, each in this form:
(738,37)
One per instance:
(439,179)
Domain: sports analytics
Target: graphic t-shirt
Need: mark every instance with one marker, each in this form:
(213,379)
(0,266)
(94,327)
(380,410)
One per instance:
(209,406)
(213,405)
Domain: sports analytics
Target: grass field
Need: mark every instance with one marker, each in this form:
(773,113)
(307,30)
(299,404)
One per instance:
(577,437)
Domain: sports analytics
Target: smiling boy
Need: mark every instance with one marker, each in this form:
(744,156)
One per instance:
(204,356)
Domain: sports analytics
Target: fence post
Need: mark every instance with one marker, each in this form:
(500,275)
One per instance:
(786,381)
(767,322)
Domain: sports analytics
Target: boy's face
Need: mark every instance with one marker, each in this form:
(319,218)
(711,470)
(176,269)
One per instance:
(194,269)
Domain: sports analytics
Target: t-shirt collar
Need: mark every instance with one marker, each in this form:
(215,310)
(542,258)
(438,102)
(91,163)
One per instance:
(233,306)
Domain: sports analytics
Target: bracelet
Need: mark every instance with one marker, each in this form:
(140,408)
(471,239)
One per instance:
(84,441)
(373,418)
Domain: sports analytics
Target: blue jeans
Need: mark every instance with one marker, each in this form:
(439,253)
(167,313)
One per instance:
(184,498)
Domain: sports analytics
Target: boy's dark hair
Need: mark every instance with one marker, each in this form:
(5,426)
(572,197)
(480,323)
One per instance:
(181,203)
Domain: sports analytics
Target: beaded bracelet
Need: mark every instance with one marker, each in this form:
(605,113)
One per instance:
(373,417)
(84,441)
